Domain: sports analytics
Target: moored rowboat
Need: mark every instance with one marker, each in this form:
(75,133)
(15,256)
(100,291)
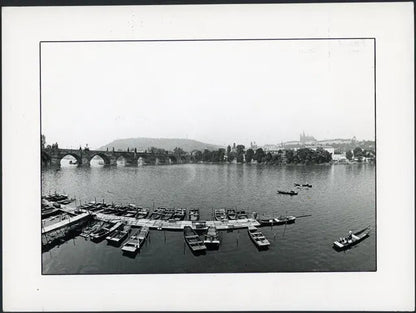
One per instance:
(133,244)
(284,220)
(258,238)
(220,215)
(194,214)
(117,237)
(107,229)
(211,238)
(193,240)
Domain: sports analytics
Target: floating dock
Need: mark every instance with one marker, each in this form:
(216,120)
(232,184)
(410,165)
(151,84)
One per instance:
(177,225)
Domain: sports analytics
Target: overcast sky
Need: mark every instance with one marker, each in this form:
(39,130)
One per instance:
(215,92)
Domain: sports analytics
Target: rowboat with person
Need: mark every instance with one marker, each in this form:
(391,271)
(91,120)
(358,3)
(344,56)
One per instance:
(352,238)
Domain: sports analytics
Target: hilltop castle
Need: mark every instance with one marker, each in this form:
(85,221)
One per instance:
(305,139)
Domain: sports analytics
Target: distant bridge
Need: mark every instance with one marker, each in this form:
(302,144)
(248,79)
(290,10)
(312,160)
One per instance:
(53,156)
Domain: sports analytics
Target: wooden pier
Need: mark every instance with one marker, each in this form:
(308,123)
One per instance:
(178,225)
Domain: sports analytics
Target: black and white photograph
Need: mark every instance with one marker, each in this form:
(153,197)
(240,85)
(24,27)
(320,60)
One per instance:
(178,153)
(208,156)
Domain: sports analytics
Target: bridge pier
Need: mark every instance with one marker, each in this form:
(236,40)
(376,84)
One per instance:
(55,161)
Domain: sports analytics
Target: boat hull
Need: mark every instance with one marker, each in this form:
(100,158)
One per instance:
(357,238)
(195,244)
(289,193)
(258,239)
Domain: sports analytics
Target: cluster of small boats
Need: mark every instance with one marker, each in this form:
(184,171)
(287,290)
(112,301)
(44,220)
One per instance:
(168,214)
(116,234)
(229,214)
(211,239)
(136,240)
(51,204)
(58,198)
(130,210)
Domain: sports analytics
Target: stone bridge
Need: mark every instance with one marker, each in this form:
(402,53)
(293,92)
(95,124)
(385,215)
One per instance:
(53,156)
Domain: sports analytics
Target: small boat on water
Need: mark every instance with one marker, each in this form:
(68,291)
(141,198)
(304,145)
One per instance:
(157,214)
(168,214)
(284,220)
(211,239)
(117,237)
(303,185)
(270,221)
(49,212)
(131,211)
(179,214)
(133,243)
(291,192)
(56,197)
(220,215)
(200,226)
(194,214)
(192,239)
(258,238)
(104,231)
(142,213)
(120,210)
(352,239)
(241,215)
(232,215)
(144,232)
(91,228)
(66,201)
(266,221)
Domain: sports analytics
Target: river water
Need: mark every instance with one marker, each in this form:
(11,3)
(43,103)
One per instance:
(342,199)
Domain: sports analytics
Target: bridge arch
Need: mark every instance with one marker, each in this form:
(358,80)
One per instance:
(121,160)
(74,156)
(141,161)
(105,158)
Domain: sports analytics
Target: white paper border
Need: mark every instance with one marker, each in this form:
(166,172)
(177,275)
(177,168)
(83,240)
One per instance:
(390,288)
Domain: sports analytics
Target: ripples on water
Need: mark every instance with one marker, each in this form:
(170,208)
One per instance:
(342,199)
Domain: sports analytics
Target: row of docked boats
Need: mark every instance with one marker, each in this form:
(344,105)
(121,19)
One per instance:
(51,204)
(136,240)
(229,214)
(211,239)
(129,210)
(169,214)
(58,198)
(116,234)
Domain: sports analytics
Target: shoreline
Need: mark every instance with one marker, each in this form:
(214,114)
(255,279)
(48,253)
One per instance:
(222,163)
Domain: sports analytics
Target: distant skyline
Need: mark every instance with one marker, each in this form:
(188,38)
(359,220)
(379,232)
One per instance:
(217,92)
